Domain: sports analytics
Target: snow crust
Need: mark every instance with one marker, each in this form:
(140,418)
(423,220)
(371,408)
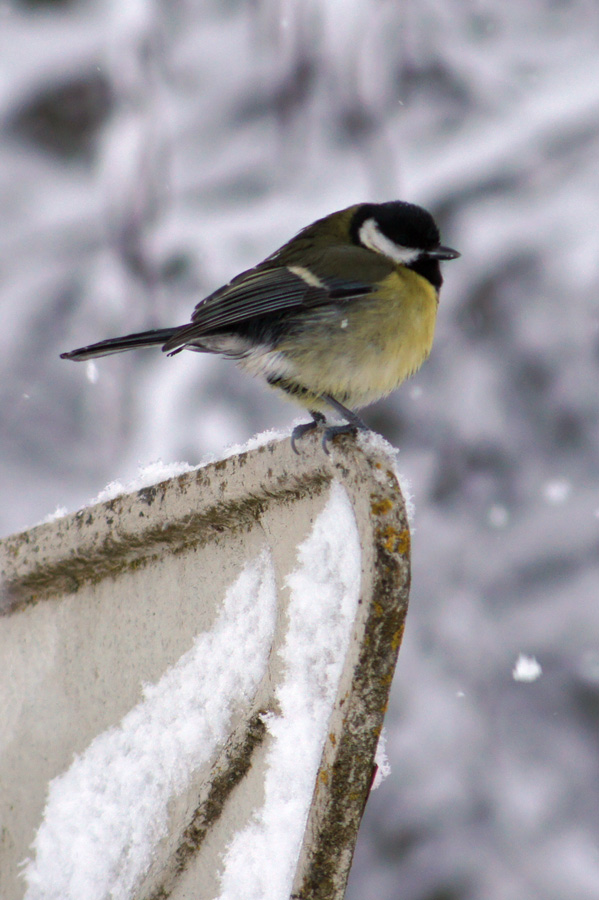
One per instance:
(147,475)
(154,472)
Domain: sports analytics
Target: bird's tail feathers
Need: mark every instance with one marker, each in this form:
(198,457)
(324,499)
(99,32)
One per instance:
(121,344)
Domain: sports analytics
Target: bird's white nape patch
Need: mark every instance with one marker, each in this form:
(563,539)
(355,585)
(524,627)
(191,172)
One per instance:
(372,237)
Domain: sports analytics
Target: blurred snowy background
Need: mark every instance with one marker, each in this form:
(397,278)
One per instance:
(151,150)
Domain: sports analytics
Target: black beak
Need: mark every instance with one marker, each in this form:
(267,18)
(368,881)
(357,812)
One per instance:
(442,253)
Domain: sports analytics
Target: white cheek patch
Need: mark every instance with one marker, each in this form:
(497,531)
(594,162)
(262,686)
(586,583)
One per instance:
(371,237)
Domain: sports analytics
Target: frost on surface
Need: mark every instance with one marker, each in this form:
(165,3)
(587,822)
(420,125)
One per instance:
(106,813)
(324,592)
(147,475)
(381,761)
(372,442)
(151,473)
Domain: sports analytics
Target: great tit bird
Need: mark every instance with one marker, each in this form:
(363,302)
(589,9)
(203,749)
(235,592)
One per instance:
(336,318)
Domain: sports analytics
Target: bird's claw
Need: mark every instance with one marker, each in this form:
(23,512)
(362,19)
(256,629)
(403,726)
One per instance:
(305,428)
(299,431)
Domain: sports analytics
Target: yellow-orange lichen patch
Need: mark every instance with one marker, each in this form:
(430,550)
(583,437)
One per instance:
(381,507)
(395,541)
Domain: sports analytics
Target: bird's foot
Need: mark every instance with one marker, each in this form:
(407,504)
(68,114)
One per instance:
(352,425)
(305,428)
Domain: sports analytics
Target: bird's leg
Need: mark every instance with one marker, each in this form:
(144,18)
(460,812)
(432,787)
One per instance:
(300,430)
(353,422)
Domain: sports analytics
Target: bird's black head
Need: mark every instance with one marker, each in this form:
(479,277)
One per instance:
(403,232)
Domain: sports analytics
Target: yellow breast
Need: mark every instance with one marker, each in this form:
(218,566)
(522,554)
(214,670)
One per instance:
(362,350)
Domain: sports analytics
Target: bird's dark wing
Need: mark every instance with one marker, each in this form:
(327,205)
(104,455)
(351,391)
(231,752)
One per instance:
(261,292)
